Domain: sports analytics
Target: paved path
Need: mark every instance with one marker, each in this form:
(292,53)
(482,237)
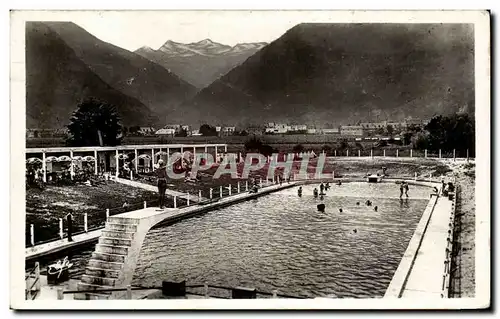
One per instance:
(57,245)
(192,197)
(425,279)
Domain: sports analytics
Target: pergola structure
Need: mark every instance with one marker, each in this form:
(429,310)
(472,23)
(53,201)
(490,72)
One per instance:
(120,153)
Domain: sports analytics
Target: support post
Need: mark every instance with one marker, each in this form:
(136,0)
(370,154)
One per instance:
(430,177)
(60,294)
(95,163)
(238,187)
(384,153)
(44,167)
(454,154)
(411,153)
(168,154)
(85,223)
(136,159)
(206,149)
(440,153)
(261,182)
(116,163)
(216,155)
(225,148)
(107,213)
(205,286)
(38,284)
(335,153)
(467,155)
(415,176)
(71,165)
(187,198)
(131,175)
(211,193)
(199,196)
(229,187)
(347,153)
(69,220)
(182,150)
(359,153)
(397,152)
(129,292)
(175,201)
(246,185)
(32,234)
(220,191)
(425,153)
(371,153)
(61,229)
(152,158)
(145,204)
(275,294)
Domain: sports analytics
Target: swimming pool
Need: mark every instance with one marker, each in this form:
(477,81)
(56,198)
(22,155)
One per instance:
(280,241)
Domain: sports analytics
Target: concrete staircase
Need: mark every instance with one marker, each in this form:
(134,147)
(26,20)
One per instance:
(106,263)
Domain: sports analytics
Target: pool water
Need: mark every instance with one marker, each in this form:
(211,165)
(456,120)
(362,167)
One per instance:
(281,241)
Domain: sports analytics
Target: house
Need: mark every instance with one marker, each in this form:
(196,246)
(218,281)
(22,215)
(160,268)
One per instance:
(330,131)
(146,130)
(298,128)
(166,132)
(228,130)
(277,128)
(352,130)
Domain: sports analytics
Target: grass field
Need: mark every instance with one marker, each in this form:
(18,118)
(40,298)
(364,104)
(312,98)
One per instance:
(45,207)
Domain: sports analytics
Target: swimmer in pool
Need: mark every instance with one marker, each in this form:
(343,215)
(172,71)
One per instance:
(357,203)
(299,192)
(340,210)
(376,208)
(315,192)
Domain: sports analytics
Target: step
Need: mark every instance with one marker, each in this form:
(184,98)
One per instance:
(111,249)
(122,227)
(91,296)
(108,257)
(115,241)
(101,272)
(82,286)
(117,234)
(107,265)
(101,281)
(123,220)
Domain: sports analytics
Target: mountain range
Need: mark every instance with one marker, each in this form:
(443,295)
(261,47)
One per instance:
(65,64)
(202,62)
(315,74)
(345,73)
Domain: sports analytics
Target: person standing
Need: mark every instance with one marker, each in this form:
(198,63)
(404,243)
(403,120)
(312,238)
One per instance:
(161,173)
(406,189)
(401,188)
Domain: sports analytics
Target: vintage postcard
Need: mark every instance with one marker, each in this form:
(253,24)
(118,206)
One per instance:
(250,159)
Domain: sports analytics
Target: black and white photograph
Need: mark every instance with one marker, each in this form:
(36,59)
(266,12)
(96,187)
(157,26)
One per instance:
(250,159)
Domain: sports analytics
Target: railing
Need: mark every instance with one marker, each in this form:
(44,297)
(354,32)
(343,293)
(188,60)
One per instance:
(33,283)
(449,246)
(181,290)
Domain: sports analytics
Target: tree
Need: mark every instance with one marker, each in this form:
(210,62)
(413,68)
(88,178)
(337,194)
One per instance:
(299,148)
(181,133)
(447,133)
(208,130)
(390,129)
(94,123)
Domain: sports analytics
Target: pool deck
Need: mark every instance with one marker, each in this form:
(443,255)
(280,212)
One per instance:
(420,272)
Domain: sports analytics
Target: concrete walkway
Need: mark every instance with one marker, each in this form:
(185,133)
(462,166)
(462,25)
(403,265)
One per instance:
(422,267)
(425,279)
(58,245)
(151,188)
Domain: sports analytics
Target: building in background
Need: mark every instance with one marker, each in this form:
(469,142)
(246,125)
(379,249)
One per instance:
(351,130)
(330,131)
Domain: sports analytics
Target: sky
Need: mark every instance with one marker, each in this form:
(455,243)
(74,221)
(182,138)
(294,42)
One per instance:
(132,30)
